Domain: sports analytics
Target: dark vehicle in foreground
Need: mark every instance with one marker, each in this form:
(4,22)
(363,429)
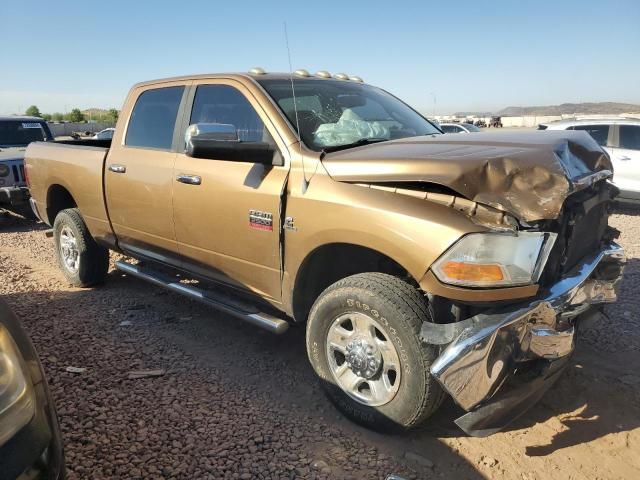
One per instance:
(30,442)
(421,263)
(15,134)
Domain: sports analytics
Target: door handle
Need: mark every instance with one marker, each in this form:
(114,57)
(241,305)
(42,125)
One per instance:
(189,179)
(115,168)
(625,159)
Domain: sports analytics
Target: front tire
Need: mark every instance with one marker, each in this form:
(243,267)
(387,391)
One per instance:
(83,262)
(363,342)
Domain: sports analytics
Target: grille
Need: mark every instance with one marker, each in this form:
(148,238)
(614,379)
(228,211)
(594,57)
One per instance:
(586,235)
(579,234)
(18,173)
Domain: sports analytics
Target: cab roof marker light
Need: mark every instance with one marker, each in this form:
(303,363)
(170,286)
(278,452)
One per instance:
(355,78)
(341,76)
(301,72)
(257,71)
(323,74)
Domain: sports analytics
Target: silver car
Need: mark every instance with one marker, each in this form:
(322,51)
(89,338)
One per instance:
(106,134)
(620,137)
(458,128)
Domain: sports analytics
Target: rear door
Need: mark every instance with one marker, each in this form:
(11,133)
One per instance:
(139,173)
(228,224)
(626,160)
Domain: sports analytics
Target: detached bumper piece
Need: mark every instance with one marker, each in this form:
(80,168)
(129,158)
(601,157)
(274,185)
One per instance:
(14,196)
(528,345)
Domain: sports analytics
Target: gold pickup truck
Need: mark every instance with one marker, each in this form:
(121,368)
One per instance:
(422,264)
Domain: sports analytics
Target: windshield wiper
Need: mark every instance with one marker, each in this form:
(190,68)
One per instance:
(358,143)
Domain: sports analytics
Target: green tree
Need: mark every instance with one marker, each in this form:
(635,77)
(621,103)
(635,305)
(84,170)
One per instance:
(113,115)
(33,111)
(47,116)
(57,117)
(75,116)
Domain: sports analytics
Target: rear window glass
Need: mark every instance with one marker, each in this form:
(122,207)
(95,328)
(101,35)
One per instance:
(14,133)
(630,137)
(153,119)
(600,133)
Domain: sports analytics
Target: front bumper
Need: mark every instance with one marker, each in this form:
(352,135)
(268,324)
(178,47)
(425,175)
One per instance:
(14,196)
(486,351)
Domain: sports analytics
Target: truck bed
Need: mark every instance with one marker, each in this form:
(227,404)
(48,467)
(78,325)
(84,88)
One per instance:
(76,167)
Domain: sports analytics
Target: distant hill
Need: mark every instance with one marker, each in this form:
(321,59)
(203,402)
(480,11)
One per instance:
(607,108)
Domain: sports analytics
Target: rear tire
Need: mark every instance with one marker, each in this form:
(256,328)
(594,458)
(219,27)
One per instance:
(83,262)
(343,353)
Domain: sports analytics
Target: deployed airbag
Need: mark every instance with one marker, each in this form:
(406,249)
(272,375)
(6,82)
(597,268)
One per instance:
(349,129)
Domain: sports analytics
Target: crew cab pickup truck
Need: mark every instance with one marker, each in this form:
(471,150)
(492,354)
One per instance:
(15,134)
(422,264)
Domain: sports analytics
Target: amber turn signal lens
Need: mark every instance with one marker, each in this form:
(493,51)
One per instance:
(474,272)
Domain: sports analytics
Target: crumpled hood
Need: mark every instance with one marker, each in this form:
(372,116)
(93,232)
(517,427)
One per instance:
(528,174)
(12,153)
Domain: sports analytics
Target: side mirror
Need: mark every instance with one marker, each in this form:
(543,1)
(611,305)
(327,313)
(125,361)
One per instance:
(219,141)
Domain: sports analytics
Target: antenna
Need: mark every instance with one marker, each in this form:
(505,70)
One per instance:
(305,182)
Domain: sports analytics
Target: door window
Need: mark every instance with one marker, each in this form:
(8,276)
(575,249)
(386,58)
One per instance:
(630,137)
(153,119)
(226,105)
(600,133)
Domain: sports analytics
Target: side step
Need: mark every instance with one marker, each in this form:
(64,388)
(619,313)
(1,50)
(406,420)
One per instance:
(260,319)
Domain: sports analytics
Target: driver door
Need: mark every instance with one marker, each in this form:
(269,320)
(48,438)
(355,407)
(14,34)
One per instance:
(215,211)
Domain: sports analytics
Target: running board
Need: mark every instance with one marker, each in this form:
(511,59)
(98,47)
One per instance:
(260,319)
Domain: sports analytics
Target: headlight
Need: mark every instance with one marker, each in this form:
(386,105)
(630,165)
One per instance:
(17,403)
(495,259)
(4,170)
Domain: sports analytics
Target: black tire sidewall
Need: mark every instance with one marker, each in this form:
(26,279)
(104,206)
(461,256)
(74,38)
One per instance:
(403,409)
(93,258)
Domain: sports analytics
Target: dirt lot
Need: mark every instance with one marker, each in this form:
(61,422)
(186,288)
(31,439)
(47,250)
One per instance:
(236,402)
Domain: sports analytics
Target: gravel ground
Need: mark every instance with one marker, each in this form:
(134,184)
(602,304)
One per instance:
(236,402)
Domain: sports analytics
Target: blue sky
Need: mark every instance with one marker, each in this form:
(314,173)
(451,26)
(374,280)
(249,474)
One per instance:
(470,55)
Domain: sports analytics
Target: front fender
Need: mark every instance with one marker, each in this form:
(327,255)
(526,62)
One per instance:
(411,231)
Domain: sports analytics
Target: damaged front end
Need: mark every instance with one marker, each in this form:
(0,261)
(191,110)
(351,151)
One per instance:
(510,297)
(488,354)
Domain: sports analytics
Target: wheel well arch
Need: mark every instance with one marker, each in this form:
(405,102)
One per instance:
(58,199)
(331,262)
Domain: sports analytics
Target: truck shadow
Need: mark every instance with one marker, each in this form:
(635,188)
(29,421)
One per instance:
(11,222)
(599,394)
(630,209)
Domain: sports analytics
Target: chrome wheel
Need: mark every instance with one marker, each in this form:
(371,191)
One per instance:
(363,360)
(69,250)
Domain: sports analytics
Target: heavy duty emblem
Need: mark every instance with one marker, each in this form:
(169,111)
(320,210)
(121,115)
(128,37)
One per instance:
(261,220)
